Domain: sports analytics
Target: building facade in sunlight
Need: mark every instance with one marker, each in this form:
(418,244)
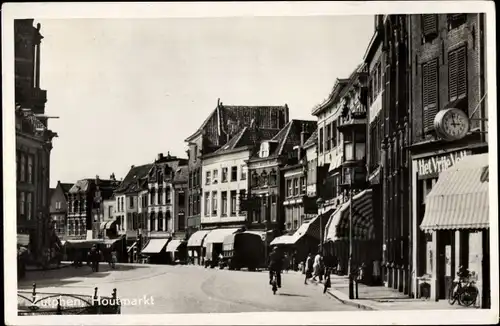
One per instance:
(33,145)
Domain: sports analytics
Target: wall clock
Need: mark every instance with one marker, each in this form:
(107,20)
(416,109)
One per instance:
(452,124)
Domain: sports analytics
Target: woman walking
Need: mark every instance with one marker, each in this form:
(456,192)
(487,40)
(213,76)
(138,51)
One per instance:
(309,267)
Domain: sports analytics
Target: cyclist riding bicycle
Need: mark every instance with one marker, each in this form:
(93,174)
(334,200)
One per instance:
(275,266)
(463,274)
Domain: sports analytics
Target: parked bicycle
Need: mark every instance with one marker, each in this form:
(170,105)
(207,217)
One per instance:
(463,289)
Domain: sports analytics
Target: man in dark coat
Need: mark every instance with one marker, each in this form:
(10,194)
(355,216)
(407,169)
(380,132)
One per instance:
(275,265)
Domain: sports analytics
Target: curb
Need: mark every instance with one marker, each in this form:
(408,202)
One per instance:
(338,296)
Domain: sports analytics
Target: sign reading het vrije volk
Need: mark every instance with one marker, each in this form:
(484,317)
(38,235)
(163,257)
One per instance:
(430,167)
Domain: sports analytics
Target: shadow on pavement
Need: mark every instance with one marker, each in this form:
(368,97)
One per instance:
(293,295)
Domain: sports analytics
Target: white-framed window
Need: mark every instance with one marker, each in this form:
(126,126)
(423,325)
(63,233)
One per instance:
(214,202)
(224,174)
(207,204)
(264,149)
(215,176)
(243,171)
(207,178)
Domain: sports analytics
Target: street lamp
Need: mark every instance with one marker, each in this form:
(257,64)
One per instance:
(320,202)
(349,266)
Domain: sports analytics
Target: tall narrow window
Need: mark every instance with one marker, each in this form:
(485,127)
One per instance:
(429,27)
(18,163)
(328,137)
(243,197)
(224,175)
(430,93)
(224,203)
(320,140)
(289,189)
(295,187)
(207,204)
(30,169)
(131,202)
(23,167)
(29,205)
(207,178)
(160,221)
(22,203)
(214,202)
(233,202)
(273,178)
(302,185)
(243,171)
(234,173)
(215,178)
(457,74)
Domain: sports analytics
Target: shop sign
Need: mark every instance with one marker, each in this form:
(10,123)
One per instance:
(432,166)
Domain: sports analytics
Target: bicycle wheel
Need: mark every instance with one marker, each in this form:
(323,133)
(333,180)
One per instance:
(468,296)
(452,297)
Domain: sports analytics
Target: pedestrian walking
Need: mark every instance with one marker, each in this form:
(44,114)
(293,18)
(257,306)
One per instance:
(309,267)
(328,283)
(317,266)
(286,263)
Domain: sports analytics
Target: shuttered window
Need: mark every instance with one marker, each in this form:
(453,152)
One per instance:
(456,20)
(429,27)
(429,93)
(457,74)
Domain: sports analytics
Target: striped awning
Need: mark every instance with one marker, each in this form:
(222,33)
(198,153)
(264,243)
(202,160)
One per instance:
(460,197)
(362,219)
(155,246)
(310,228)
(217,236)
(174,245)
(196,239)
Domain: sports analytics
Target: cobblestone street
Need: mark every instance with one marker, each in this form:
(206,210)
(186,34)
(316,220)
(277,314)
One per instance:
(187,289)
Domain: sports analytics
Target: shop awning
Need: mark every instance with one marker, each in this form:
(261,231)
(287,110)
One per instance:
(333,222)
(196,239)
(174,245)
(286,240)
(362,220)
(310,228)
(155,246)
(217,236)
(460,197)
(81,243)
(107,225)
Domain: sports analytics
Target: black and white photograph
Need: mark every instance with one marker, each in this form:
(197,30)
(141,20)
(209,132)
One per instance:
(250,163)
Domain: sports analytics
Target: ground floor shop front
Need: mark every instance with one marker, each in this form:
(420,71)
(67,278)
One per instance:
(451,225)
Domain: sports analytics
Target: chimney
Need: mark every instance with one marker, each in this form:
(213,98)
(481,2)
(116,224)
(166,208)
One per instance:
(302,135)
(168,154)
(160,156)
(218,102)
(112,176)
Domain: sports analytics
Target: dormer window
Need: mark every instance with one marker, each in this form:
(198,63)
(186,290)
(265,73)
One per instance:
(264,149)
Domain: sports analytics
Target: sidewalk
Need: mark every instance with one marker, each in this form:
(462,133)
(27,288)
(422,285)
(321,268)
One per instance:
(382,298)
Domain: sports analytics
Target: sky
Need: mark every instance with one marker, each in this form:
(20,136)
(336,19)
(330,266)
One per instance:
(127,89)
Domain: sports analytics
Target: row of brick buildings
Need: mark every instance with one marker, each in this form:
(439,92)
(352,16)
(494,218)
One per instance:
(413,109)
(400,144)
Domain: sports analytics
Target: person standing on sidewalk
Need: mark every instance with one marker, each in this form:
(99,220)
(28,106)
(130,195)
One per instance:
(317,266)
(309,267)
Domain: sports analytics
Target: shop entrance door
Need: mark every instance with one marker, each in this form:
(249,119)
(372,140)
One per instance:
(445,263)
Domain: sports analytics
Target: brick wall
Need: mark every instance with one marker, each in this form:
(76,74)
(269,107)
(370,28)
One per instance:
(446,41)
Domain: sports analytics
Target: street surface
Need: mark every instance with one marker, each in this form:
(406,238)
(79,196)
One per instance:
(187,289)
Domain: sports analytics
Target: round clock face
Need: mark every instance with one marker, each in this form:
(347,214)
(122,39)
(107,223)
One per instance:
(455,124)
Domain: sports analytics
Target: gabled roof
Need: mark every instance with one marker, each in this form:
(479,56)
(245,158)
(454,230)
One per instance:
(229,119)
(181,174)
(248,136)
(289,136)
(66,186)
(311,141)
(132,180)
(85,185)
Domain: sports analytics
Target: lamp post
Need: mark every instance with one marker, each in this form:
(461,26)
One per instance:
(349,266)
(320,202)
